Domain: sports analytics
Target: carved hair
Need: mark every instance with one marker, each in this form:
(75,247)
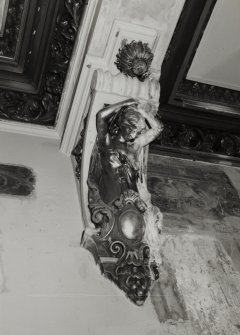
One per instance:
(126,117)
(129,117)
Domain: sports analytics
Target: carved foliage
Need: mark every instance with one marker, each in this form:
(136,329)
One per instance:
(134,60)
(208,93)
(133,274)
(42,108)
(177,135)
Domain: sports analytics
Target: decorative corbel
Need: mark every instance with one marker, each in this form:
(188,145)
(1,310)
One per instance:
(121,225)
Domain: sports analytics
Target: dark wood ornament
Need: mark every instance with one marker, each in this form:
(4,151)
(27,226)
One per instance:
(198,143)
(36,99)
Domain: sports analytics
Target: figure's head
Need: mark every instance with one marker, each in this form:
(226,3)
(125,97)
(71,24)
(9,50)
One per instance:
(130,123)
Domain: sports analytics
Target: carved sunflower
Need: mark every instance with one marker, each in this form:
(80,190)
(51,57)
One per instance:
(134,59)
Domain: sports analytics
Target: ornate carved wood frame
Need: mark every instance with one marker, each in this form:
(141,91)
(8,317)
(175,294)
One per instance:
(35,51)
(201,121)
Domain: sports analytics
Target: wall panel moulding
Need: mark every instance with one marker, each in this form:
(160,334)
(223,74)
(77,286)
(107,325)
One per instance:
(36,45)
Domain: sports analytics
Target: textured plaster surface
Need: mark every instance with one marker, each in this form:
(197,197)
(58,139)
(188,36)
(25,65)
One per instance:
(207,281)
(200,248)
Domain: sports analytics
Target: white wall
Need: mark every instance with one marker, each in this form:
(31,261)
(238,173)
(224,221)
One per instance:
(48,284)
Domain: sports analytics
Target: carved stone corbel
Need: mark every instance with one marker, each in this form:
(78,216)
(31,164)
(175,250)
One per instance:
(148,91)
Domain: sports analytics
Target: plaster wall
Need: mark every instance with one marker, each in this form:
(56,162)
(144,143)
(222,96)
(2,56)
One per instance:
(48,284)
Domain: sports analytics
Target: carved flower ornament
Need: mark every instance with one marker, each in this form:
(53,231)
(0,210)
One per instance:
(134,60)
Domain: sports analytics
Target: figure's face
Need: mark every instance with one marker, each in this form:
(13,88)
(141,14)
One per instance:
(131,128)
(131,133)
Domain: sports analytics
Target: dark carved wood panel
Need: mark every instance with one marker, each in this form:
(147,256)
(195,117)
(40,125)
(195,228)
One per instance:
(31,86)
(196,142)
(198,94)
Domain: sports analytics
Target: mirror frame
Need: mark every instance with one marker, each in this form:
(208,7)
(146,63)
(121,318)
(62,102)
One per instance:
(192,102)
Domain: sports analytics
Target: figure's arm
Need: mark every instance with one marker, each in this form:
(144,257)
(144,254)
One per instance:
(105,113)
(153,132)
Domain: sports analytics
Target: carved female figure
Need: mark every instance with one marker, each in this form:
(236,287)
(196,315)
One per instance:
(126,224)
(122,134)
